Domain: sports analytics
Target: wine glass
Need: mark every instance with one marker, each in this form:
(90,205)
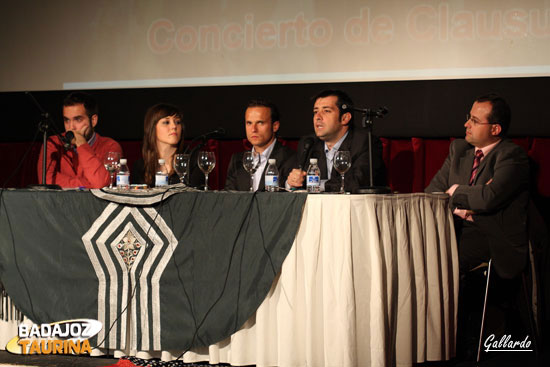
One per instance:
(251,162)
(342,163)
(112,163)
(181,166)
(207,162)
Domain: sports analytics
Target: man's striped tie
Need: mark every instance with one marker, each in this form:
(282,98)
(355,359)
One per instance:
(477,160)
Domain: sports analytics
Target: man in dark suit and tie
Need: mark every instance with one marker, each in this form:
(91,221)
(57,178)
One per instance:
(261,124)
(487,177)
(334,131)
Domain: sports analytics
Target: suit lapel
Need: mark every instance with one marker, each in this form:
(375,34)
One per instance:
(485,162)
(466,164)
(346,144)
(482,165)
(243,178)
(277,154)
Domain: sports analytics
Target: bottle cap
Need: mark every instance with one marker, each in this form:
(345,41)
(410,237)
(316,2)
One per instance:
(161,161)
(123,161)
(313,160)
(272,160)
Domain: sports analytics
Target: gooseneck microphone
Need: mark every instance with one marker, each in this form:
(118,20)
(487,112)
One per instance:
(219,132)
(379,112)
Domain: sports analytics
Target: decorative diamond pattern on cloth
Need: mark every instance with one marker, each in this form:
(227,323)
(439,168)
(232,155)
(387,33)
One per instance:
(477,161)
(120,241)
(129,248)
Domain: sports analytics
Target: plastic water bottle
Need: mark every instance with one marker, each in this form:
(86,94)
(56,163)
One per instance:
(123,175)
(313,178)
(271,176)
(161,176)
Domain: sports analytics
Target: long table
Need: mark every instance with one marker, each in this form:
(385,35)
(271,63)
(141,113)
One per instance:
(370,280)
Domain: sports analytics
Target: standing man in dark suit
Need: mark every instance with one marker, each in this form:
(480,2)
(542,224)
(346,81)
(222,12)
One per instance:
(487,177)
(334,131)
(261,124)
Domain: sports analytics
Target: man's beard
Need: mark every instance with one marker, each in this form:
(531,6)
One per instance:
(89,132)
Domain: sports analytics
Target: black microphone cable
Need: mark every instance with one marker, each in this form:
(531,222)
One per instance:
(252,201)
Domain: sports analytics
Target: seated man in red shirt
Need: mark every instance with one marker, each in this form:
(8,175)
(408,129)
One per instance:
(82,164)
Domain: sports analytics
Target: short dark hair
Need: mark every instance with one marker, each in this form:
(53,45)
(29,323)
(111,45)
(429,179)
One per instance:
(262,102)
(500,111)
(89,102)
(343,102)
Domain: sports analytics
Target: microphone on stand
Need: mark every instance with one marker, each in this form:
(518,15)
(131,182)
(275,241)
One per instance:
(219,132)
(369,114)
(45,124)
(381,112)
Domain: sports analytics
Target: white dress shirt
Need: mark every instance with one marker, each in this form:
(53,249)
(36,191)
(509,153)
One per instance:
(263,157)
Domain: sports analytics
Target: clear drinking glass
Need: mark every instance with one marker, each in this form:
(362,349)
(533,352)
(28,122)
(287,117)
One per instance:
(342,163)
(207,162)
(181,166)
(112,164)
(251,162)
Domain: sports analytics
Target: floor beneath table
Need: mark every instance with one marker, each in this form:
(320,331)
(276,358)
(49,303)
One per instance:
(497,360)
(8,359)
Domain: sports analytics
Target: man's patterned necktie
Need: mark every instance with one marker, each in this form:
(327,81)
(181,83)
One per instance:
(477,160)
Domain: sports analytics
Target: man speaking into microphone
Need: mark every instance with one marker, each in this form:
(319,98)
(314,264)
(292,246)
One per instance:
(334,131)
(77,161)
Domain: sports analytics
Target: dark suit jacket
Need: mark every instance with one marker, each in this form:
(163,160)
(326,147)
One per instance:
(358,175)
(238,179)
(499,197)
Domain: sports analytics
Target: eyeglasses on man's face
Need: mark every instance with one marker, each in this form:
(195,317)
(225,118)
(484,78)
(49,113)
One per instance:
(476,121)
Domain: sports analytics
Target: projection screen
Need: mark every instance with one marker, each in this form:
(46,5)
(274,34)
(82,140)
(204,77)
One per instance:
(83,44)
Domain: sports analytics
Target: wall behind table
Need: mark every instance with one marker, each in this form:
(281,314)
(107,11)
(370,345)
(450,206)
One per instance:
(429,108)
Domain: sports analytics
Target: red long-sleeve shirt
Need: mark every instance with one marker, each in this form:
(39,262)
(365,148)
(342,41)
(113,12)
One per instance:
(83,168)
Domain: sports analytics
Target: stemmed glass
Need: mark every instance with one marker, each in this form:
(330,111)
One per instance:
(207,162)
(112,164)
(342,163)
(251,162)
(181,166)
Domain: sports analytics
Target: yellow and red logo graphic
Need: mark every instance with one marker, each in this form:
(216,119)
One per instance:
(62,337)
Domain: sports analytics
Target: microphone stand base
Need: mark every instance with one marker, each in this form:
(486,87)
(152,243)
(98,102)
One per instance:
(373,190)
(44,187)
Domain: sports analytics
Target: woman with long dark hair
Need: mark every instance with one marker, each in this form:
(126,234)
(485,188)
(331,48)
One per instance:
(163,138)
